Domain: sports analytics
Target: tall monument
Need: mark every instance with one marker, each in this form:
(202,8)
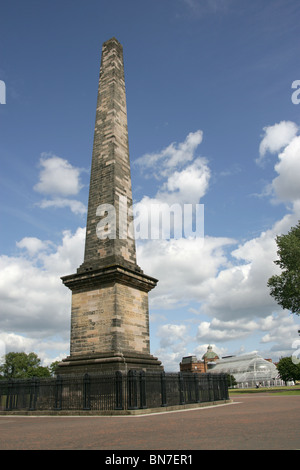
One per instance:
(110,315)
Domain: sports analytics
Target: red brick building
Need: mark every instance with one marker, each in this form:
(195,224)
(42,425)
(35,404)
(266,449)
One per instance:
(192,364)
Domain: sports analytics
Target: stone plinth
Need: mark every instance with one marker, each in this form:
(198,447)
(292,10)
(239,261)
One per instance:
(109,321)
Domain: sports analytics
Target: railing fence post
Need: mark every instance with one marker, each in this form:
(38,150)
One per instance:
(196,385)
(132,389)
(9,395)
(210,387)
(225,387)
(58,393)
(33,393)
(181,388)
(86,392)
(143,389)
(163,389)
(119,390)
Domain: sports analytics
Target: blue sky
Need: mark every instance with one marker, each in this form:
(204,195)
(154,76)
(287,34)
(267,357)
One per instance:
(212,77)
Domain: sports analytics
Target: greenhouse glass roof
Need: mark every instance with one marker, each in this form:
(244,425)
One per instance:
(250,367)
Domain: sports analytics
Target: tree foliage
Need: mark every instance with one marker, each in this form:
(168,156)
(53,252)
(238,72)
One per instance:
(231,381)
(288,370)
(53,367)
(20,365)
(285,288)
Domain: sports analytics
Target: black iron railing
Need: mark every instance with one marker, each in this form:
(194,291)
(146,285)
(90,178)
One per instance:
(116,391)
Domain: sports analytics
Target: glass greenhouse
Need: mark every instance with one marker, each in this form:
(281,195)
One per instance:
(249,370)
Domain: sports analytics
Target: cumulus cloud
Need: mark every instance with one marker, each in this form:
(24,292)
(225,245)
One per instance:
(223,331)
(282,140)
(174,340)
(220,278)
(35,305)
(57,176)
(172,157)
(188,185)
(286,185)
(226,279)
(49,350)
(183,179)
(33,245)
(281,331)
(59,180)
(77,207)
(239,289)
(172,333)
(276,137)
(232,291)
(191,263)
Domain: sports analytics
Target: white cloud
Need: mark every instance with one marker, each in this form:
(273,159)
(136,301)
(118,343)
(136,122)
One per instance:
(201,271)
(282,139)
(276,137)
(230,287)
(172,157)
(35,305)
(59,179)
(199,8)
(174,339)
(286,185)
(170,334)
(171,359)
(68,255)
(49,350)
(240,290)
(58,176)
(223,331)
(281,332)
(33,245)
(188,185)
(191,263)
(226,281)
(77,207)
(185,180)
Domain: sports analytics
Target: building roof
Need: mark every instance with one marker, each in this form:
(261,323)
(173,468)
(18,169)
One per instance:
(248,367)
(189,359)
(210,354)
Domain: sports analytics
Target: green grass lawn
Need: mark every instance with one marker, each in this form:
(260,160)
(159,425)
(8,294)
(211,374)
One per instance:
(271,390)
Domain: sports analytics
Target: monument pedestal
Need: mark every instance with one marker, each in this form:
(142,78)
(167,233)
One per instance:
(109,321)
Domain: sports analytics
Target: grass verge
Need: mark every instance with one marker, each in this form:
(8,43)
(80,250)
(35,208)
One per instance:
(271,390)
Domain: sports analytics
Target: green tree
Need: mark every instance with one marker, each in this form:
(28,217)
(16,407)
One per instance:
(21,365)
(231,380)
(285,288)
(288,370)
(53,367)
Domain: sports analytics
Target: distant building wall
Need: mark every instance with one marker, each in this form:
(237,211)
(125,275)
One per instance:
(191,364)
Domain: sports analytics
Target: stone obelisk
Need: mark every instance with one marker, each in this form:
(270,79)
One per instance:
(110,314)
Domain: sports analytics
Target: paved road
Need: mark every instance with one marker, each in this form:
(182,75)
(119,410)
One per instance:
(251,422)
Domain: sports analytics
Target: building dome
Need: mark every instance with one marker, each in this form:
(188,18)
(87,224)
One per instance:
(210,355)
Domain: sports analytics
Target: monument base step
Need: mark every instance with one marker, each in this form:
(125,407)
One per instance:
(108,362)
